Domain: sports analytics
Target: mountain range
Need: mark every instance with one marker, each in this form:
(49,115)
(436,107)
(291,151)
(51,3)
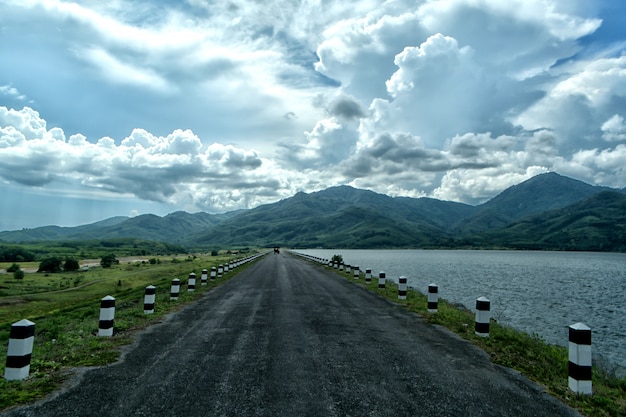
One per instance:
(548,211)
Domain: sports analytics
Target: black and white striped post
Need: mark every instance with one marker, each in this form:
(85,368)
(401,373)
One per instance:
(226,267)
(335,265)
(341,266)
(483,307)
(381,279)
(213,273)
(204,277)
(368,275)
(20,350)
(402,284)
(356,272)
(191,283)
(579,364)
(220,271)
(348,269)
(107,316)
(433,298)
(148,299)
(175,289)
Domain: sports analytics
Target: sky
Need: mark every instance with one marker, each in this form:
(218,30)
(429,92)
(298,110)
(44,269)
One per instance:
(127,107)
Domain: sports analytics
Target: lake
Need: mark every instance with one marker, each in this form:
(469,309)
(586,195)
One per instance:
(537,292)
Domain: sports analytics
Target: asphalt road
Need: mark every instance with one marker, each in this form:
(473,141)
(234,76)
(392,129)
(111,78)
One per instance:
(287,338)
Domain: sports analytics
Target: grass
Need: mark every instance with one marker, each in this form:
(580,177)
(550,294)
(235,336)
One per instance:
(65,309)
(543,363)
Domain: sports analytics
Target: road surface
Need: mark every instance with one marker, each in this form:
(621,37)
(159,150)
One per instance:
(285,337)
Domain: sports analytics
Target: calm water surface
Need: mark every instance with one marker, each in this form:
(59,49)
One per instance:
(537,292)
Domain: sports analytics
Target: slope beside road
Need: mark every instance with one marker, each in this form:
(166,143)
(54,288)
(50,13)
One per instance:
(288,338)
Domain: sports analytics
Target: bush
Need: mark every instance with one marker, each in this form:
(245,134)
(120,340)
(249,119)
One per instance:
(108,260)
(50,265)
(19,274)
(13,268)
(71,265)
(337,258)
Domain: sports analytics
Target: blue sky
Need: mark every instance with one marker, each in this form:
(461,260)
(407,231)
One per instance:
(131,107)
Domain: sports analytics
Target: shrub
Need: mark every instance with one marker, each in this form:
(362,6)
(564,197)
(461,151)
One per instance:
(52,264)
(71,265)
(19,274)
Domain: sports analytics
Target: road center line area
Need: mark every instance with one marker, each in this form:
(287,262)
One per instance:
(286,337)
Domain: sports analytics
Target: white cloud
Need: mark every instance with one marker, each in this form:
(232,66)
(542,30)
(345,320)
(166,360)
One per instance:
(114,70)
(9,91)
(614,129)
(234,104)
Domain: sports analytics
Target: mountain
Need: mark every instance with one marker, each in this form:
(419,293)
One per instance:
(597,223)
(538,194)
(532,214)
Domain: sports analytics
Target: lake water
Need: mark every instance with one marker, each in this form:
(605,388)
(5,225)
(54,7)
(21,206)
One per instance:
(537,292)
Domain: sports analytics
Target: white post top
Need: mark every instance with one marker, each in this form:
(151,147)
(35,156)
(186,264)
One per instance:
(579,326)
(108,298)
(23,323)
(432,284)
(151,287)
(483,298)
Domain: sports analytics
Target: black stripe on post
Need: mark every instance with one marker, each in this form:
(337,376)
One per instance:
(106,324)
(481,328)
(107,303)
(22,332)
(18,361)
(150,291)
(148,307)
(433,305)
(580,337)
(578,372)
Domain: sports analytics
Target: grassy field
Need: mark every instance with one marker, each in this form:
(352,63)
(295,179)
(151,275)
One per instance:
(65,309)
(543,363)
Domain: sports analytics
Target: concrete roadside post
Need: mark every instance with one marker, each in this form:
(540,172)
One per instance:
(213,273)
(483,307)
(433,298)
(220,271)
(204,277)
(368,275)
(381,279)
(191,284)
(20,350)
(148,299)
(356,272)
(175,289)
(348,269)
(402,284)
(107,316)
(341,265)
(579,363)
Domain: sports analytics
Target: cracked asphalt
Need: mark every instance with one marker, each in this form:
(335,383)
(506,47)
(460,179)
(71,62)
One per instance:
(286,337)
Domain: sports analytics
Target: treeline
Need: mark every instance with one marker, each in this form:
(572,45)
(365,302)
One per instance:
(36,251)
(15,253)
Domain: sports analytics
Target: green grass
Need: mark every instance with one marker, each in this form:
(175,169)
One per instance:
(66,316)
(539,361)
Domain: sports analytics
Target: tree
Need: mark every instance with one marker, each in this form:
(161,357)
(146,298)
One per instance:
(337,258)
(18,274)
(52,264)
(13,267)
(71,265)
(108,260)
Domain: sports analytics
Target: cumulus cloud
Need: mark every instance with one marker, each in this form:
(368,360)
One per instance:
(158,168)
(454,99)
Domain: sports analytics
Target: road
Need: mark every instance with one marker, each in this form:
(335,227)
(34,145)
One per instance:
(285,337)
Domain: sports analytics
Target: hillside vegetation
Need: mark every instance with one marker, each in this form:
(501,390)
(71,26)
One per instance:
(548,211)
